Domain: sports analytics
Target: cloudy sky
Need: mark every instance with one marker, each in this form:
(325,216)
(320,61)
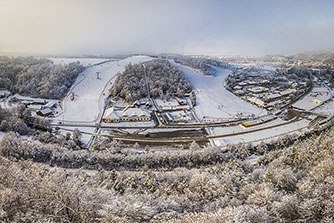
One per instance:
(215,27)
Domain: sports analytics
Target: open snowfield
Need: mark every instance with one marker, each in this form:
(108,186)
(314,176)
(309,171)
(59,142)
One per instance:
(326,109)
(90,92)
(263,135)
(213,100)
(309,101)
(83,61)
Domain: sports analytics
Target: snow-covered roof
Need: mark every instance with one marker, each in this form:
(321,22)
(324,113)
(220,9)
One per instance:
(135,112)
(273,96)
(257,89)
(256,101)
(112,114)
(288,91)
(45,111)
(51,104)
(239,92)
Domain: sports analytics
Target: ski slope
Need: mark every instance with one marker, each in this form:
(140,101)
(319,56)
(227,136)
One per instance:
(90,93)
(213,100)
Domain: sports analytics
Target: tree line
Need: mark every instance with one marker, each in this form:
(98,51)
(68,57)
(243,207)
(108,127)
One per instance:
(289,183)
(202,64)
(37,77)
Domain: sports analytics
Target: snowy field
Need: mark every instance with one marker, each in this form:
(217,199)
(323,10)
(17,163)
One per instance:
(1,135)
(326,109)
(83,61)
(239,128)
(264,135)
(319,94)
(213,100)
(90,93)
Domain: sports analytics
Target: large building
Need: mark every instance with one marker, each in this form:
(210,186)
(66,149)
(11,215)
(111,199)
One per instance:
(126,115)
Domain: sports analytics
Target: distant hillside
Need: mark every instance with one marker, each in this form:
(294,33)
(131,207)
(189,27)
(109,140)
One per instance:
(326,57)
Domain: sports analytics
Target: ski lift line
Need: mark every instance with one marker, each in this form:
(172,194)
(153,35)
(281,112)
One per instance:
(99,105)
(66,97)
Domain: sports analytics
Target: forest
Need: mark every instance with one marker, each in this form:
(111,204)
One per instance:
(162,78)
(202,64)
(287,180)
(37,77)
(19,119)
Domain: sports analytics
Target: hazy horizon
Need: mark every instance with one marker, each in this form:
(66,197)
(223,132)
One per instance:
(212,27)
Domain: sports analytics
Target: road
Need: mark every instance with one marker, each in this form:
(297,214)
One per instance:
(141,138)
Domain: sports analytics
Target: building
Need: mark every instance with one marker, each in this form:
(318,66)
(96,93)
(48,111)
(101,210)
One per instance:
(256,101)
(129,114)
(239,92)
(44,112)
(272,97)
(287,92)
(257,90)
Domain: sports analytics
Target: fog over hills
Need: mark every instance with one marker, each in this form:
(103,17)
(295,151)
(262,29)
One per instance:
(213,27)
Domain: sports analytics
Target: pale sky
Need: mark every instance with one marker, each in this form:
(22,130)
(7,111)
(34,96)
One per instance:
(215,27)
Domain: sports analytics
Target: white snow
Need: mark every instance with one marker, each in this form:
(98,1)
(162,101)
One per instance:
(213,100)
(264,135)
(90,93)
(83,61)
(320,94)
(326,109)
(85,132)
(2,135)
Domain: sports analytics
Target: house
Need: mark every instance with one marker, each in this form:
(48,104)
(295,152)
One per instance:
(287,92)
(265,82)
(35,107)
(51,104)
(129,114)
(237,87)
(252,82)
(272,97)
(256,101)
(44,112)
(242,83)
(257,90)
(239,92)
(141,101)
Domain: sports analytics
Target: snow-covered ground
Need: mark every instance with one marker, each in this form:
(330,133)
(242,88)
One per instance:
(263,135)
(326,109)
(312,100)
(239,128)
(85,132)
(90,93)
(130,124)
(213,100)
(83,61)
(1,135)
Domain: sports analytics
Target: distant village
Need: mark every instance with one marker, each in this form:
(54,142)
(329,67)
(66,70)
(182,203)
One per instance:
(268,89)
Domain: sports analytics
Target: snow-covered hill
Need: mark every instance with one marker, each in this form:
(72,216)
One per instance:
(91,89)
(213,100)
